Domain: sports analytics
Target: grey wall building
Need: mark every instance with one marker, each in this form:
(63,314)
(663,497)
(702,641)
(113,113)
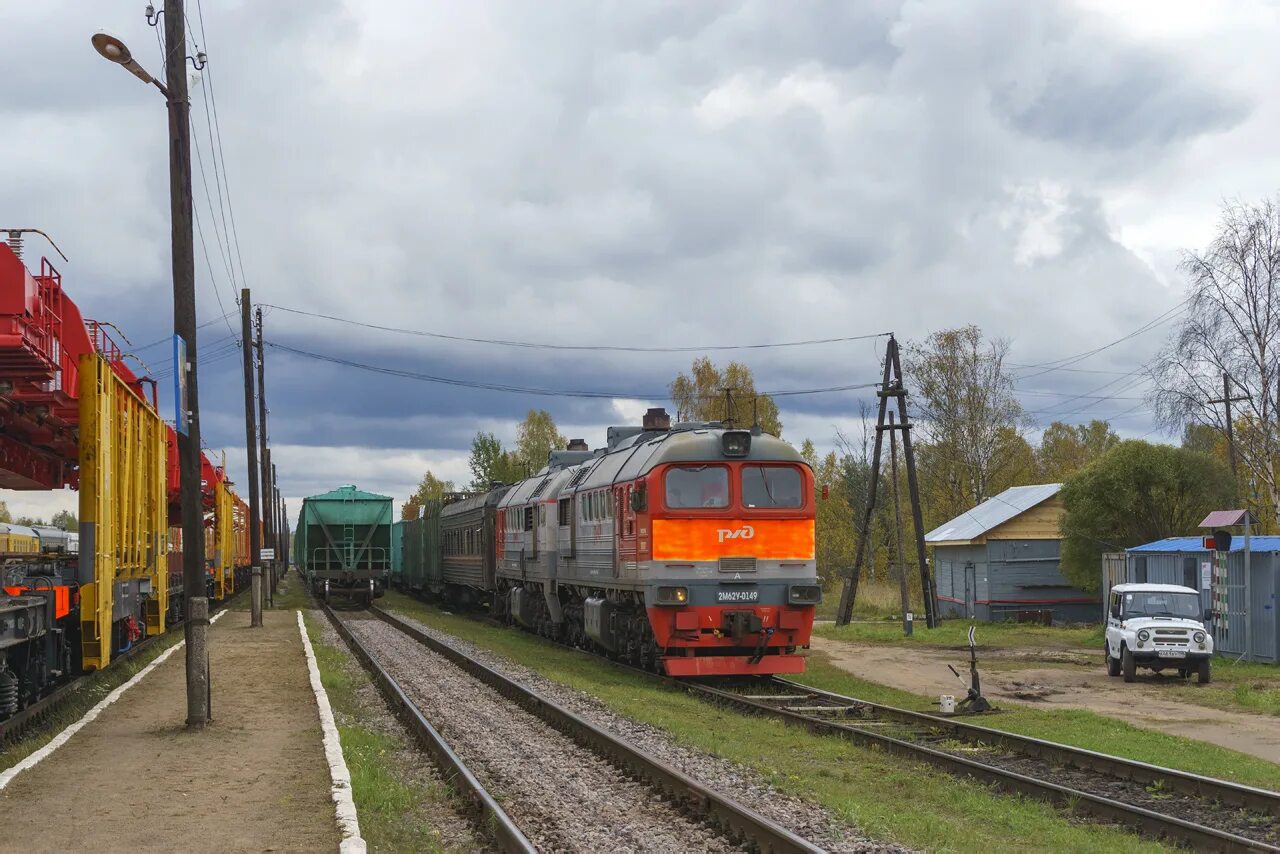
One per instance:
(1002,558)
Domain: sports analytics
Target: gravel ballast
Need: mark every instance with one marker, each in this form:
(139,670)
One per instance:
(744,785)
(562,796)
(412,766)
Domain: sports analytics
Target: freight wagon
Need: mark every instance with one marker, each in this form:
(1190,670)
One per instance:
(343,541)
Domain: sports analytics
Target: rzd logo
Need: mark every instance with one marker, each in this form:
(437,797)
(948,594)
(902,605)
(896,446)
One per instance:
(746,532)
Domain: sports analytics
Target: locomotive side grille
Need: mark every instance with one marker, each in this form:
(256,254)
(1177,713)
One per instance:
(737,564)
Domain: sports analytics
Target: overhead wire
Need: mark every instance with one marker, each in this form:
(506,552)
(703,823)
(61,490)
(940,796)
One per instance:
(537,345)
(532,390)
(1061,364)
(213,282)
(217,127)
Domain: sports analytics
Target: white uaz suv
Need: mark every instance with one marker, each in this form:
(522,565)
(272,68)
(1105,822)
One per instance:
(1157,626)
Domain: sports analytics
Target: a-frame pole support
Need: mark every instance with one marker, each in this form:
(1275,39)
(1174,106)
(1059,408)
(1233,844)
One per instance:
(890,386)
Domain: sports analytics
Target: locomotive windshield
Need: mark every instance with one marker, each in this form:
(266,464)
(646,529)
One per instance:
(771,486)
(697,486)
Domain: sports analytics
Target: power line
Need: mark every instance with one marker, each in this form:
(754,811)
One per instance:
(545,392)
(533,345)
(169,338)
(1061,364)
(218,154)
(217,126)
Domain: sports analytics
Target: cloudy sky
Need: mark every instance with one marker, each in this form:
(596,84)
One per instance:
(637,173)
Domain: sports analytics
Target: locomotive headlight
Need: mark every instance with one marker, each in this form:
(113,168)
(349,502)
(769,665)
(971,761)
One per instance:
(673,595)
(1144,635)
(735,443)
(1198,637)
(804,594)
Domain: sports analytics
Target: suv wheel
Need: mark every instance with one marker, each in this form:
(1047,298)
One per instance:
(1113,664)
(1127,665)
(1202,672)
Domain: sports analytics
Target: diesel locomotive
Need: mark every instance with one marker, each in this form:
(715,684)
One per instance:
(686,549)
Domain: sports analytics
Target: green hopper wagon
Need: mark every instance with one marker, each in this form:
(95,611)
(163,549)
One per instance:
(343,544)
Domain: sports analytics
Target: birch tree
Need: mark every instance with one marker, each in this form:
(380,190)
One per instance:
(1231,326)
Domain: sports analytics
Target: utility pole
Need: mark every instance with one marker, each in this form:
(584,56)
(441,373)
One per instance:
(275,489)
(251,450)
(891,386)
(184,326)
(1226,400)
(190,492)
(897,529)
(268,520)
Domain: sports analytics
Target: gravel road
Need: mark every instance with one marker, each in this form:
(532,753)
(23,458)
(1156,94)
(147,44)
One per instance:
(745,785)
(562,796)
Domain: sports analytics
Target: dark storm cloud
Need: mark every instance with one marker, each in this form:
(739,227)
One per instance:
(658,173)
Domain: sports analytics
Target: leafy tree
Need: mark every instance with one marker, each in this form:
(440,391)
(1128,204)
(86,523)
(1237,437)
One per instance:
(970,427)
(1067,448)
(834,527)
(29,521)
(66,520)
(1136,493)
(489,463)
(1231,326)
(430,488)
(699,396)
(5,515)
(1206,439)
(536,437)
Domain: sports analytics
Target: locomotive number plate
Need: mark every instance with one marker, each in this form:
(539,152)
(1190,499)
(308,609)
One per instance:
(738,594)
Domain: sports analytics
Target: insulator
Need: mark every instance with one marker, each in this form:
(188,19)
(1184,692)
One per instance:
(15,242)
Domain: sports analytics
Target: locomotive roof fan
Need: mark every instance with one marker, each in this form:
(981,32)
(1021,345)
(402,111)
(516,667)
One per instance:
(735,443)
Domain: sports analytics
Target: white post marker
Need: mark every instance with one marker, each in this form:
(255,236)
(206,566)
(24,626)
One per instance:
(344,806)
(6,776)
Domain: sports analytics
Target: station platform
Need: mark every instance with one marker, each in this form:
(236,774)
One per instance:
(135,779)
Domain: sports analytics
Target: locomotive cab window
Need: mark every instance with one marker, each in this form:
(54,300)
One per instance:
(697,486)
(772,486)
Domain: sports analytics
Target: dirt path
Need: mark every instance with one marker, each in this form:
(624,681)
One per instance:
(924,671)
(136,780)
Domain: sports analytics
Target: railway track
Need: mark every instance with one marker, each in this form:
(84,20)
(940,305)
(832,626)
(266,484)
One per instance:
(1203,812)
(561,782)
(16,727)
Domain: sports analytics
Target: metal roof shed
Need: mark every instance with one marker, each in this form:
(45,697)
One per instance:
(1002,558)
(1185,561)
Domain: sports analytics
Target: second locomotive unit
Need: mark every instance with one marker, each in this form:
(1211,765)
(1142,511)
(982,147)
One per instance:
(685,548)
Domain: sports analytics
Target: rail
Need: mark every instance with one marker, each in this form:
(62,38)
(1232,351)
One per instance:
(760,832)
(493,819)
(819,711)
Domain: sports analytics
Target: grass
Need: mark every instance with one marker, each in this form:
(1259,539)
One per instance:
(395,813)
(885,796)
(955,633)
(1077,727)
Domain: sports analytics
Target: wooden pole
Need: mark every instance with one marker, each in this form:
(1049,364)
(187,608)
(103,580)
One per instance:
(251,450)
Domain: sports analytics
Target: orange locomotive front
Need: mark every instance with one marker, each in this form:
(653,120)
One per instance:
(732,577)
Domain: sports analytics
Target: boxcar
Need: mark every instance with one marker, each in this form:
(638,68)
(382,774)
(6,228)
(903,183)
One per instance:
(344,544)
(420,567)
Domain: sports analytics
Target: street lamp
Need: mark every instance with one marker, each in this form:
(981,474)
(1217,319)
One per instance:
(174,89)
(111,48)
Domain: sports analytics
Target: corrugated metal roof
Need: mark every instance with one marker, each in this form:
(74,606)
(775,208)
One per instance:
(992,513)
(1196,544)
(348,493)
